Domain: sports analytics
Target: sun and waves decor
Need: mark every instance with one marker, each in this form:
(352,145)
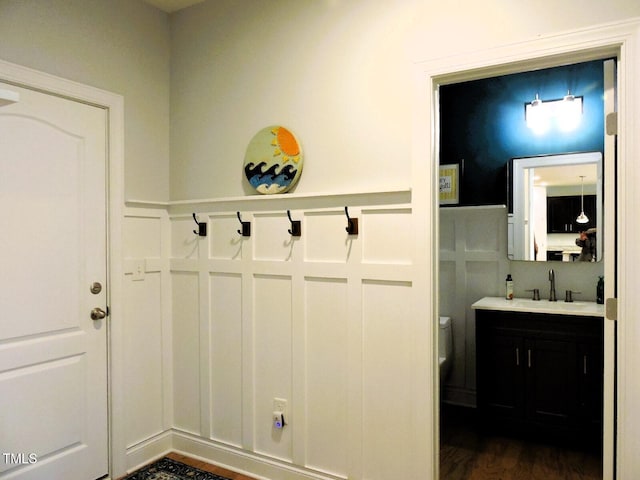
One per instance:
(273,161)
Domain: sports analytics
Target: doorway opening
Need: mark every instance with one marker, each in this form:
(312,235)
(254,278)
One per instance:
(480,149)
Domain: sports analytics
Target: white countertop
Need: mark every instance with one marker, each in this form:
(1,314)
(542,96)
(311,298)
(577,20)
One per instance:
(590,309)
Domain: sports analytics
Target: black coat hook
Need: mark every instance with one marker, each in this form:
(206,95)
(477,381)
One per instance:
(246,227)
(352,223)
(296,229)
(202,227)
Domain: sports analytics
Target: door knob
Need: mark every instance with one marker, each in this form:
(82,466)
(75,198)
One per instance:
(98,314)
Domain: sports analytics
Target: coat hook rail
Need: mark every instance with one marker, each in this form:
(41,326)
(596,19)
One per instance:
(246,227)
(352,223)
(202,227)
(296,226)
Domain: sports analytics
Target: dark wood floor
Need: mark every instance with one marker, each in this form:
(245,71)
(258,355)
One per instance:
(468,454)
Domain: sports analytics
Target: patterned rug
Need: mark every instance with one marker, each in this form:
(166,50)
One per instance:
(167,469)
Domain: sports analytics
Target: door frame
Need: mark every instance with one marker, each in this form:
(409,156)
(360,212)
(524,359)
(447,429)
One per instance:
(622,41)
(114,105)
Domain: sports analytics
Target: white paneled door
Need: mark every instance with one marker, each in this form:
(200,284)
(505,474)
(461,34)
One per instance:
(53,354)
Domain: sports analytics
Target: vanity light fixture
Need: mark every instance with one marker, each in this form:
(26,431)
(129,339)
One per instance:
(565,113)
(536,117)
(582,218)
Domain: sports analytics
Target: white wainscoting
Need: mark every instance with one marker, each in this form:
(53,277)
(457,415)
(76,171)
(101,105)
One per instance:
(322,320)
(473,264)
(147,333)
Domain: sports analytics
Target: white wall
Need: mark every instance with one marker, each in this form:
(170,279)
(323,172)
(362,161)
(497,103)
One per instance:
(147,333)
(117,45)
(338,73)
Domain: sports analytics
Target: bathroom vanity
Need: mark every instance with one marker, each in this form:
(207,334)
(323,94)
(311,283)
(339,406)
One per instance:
(539,367)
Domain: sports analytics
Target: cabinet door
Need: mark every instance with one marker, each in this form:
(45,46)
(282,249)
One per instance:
(551,381)
(563,211)
(500,374)
(590,367)
(559,214)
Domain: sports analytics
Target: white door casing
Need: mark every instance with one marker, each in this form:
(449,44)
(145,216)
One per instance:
(619,40)
(53,356)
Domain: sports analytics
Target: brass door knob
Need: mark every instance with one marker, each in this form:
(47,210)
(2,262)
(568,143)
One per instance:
(98,314)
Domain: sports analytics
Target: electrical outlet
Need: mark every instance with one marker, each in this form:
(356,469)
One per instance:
(280,405)
(278,420)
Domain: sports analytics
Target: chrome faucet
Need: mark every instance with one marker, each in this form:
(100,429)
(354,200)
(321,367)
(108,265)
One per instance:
(552,289)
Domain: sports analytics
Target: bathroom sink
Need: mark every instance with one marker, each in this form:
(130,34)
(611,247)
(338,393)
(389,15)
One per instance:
(540,306)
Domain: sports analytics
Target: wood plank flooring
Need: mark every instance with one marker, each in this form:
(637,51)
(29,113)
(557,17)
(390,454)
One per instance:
(467,454)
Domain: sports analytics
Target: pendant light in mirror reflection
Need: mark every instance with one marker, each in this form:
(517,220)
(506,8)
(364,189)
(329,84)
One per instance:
(582,218)
(565,114)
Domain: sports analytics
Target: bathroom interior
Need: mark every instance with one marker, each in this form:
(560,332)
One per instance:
(501,222)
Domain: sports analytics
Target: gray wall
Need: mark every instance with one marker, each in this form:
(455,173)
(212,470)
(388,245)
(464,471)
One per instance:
(117,45)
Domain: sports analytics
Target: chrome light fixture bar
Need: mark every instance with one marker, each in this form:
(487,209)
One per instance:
(564,113)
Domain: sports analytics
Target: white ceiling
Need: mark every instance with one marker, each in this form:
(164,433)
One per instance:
(566,175)
(172,5)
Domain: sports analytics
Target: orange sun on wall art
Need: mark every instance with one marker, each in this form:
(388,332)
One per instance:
(273,161)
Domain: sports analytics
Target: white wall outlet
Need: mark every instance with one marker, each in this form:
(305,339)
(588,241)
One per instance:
(278,420)
(280,405)
(280,413)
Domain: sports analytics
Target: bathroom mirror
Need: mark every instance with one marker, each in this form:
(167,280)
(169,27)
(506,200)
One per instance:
(555,198)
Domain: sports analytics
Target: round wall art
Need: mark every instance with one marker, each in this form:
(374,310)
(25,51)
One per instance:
(273,162)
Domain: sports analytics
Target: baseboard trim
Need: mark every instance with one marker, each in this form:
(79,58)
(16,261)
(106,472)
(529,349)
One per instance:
(149,450)
(241,461)
(232,458)
(459,396)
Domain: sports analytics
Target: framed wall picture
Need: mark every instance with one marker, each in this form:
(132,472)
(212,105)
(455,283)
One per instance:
(450,184)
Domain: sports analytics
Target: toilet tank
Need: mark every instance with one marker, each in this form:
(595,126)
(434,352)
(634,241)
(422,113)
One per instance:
(445,338)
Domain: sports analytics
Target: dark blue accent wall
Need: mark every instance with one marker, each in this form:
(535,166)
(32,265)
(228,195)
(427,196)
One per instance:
(483,122)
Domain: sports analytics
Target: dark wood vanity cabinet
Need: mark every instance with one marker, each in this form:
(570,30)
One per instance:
(540,373)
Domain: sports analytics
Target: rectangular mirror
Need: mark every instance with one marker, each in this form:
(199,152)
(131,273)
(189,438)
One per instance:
(557,208)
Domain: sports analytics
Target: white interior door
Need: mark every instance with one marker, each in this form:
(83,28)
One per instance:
(53,355)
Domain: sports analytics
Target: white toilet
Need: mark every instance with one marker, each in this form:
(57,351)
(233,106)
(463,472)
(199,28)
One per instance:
(445,347)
